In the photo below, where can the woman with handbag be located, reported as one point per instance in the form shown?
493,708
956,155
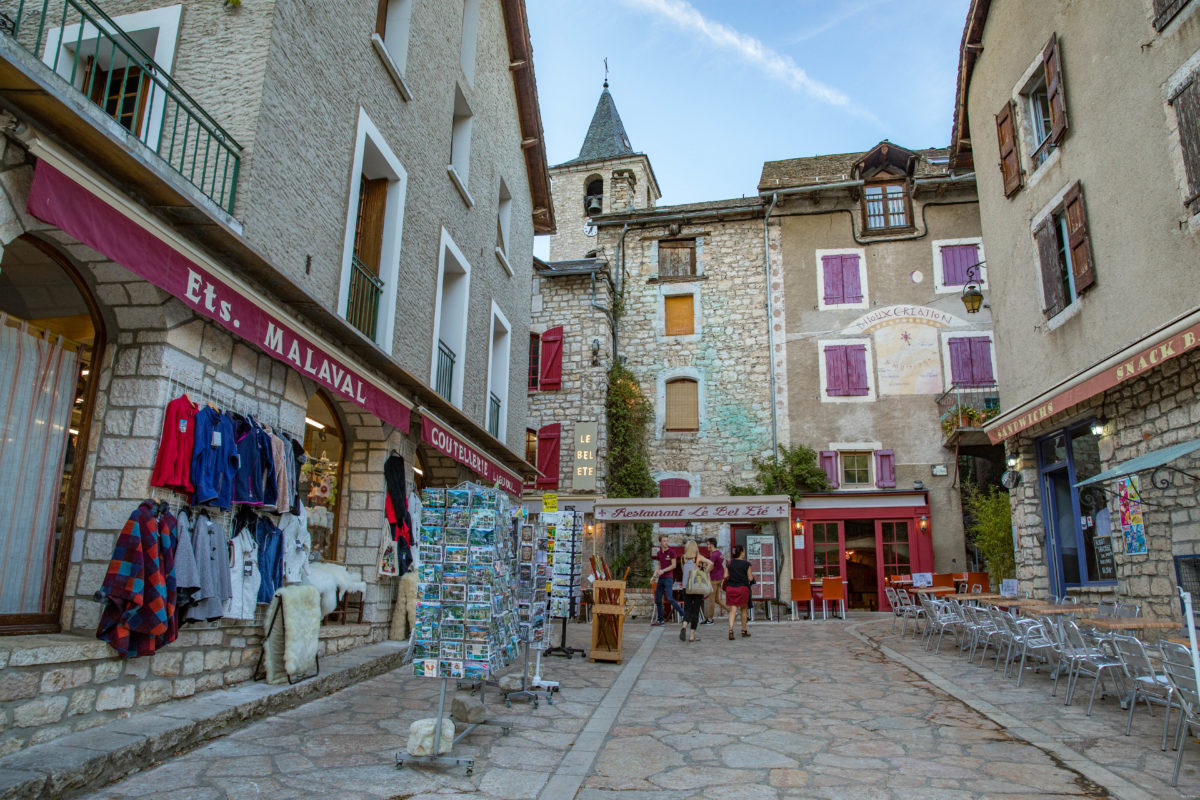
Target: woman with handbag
737,588
696,586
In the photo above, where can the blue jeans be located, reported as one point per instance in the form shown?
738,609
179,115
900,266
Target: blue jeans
666,587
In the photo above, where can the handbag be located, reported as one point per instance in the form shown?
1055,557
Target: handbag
389,558
698,582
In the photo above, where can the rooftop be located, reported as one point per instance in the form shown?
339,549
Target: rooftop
606,137
838,167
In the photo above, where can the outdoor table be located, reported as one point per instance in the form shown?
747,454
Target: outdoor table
938,590
1129,623
1065,608
984,597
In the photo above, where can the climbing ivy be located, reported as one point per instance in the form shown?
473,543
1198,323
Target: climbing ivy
793,472
629,416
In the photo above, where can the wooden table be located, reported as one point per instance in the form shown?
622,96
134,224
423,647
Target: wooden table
1065,608
1016,602
1130,623
985,597
938,590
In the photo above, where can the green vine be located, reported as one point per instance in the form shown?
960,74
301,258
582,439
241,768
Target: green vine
793,472
629,414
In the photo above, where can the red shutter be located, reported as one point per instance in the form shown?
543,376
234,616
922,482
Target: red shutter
548,441
1010,161
829,463
1079,241
885,469
550,378
673,487
1052,64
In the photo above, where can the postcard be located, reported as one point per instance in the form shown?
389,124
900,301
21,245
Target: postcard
425,668
452,649
475,670
458,498
451,669
454,555
452,612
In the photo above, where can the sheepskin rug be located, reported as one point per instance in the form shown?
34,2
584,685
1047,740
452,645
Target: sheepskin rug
290,649
332,581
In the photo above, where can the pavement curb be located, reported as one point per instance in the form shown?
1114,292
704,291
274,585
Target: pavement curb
92,759
1097,773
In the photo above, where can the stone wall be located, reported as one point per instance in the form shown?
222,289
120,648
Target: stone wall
626,179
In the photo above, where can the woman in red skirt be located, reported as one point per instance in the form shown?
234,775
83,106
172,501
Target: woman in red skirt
737,588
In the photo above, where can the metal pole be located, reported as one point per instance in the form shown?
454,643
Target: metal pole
437,731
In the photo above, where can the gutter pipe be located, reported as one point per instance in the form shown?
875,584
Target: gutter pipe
770,326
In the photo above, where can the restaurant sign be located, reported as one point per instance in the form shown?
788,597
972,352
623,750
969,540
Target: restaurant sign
583,476
630,510
1127,368
444,441
56,199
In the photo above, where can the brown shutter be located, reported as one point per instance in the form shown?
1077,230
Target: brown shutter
1165,11
381,18
1052,64
1078,239
1047,247
682,405
368,237
1187,110
679,315
1010,162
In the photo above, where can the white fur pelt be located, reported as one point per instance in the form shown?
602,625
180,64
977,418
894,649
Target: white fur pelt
332,581
290,648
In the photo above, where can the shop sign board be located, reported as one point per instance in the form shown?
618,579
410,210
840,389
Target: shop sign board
699,509
444,441
760,552
583,476
56,199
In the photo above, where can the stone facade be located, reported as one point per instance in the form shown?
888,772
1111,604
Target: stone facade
629,183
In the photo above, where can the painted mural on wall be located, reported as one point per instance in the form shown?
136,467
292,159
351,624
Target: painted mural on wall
908,357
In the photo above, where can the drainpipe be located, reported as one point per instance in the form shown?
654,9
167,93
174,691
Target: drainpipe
770,325
618,287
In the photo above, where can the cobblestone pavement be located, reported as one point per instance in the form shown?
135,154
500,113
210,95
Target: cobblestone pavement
799,710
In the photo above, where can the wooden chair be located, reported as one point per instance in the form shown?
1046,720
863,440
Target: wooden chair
802,593
832,589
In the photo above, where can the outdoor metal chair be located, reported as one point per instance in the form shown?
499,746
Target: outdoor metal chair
978,625
940,614
1038,643
1018,632
1181,671
1128,610
1147,683
1095,663
1106,608
1077,649
997,636
911,611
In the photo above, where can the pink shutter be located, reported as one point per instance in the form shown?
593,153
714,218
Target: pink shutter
548,445
960,362
851,285
981,361
673,487
955,260
831,268
836,379
856,370
551,363
829,463
885,469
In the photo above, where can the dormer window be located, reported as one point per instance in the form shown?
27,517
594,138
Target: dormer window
885,205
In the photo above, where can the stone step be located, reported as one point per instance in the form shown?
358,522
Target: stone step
90,759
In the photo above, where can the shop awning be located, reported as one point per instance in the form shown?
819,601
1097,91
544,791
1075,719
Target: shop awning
447,441
1152,460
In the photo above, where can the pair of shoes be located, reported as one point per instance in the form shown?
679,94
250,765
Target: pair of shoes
744,633
656,624
731,634
707,622
683,634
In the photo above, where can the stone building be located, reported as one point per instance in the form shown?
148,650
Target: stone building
876,359
1090,224
318,215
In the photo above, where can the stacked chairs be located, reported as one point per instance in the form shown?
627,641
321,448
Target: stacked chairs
977,626
1177,664
1147,683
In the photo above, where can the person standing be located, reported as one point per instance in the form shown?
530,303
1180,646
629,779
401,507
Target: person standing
692,560
665,575
717,575
737,588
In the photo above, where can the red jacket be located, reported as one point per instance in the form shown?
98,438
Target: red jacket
173,466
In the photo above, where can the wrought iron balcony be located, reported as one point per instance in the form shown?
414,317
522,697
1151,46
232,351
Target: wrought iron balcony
88,50
963,411
493,417
362,307
445,370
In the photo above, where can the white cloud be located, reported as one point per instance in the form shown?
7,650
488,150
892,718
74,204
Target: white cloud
776,65
834,21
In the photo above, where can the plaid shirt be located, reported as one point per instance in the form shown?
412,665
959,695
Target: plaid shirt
139,615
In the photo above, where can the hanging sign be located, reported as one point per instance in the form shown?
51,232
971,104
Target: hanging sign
442,439
583,476
549,502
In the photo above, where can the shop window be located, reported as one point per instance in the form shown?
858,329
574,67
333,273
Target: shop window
321,475
682,405
885,206
856,470
679,315
1065,253
827,550
1075,518
51,336
677,258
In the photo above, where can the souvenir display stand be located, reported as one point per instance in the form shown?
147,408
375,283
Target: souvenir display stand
564,529
608,620
466,610
532,580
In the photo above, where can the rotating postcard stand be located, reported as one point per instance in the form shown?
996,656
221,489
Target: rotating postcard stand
533,574
566,574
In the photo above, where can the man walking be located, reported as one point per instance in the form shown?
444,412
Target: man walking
665,575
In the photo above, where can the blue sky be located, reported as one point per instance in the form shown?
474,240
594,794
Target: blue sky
710,89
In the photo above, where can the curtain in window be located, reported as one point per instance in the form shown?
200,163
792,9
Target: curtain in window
37,393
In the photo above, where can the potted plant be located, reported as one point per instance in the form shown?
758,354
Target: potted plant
960,416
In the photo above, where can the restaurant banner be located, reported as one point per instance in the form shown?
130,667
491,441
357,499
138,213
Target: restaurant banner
445,441
56,199
700,510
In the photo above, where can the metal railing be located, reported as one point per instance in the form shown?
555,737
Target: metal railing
445,370
967,407
362,307
83,45
493,417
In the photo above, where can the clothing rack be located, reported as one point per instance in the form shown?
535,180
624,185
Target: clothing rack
204,389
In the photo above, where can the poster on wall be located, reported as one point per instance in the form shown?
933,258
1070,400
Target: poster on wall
1129,504
760,552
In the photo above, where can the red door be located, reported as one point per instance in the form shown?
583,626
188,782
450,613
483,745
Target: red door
827,544
893,545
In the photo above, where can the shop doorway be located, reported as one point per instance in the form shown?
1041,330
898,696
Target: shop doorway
862,565
321,476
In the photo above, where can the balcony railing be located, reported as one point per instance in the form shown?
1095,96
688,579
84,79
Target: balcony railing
445,370
493,418
967,407
87,49
362,307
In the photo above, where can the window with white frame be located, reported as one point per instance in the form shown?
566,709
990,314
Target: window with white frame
497,404
845,370
952,263
393,26
1064,251
460,146
858,465
841,279
503,223
374,224
450,321
856,469
470,35
969,358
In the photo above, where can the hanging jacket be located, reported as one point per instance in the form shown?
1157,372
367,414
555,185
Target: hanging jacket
168,545
281,457
270,558
214,458
270,490
187,573
297,544
396,502
244,577
138,606
296,465
173,464
248,482
212,559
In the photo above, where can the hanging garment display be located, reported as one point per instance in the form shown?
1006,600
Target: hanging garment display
244,576
297,544
281,450
139,589
254,462
173,465
396,502
270,489
214,458
270,558
212,561
296,467
187,574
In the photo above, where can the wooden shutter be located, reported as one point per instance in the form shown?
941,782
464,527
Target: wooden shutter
381,18
673,487
981,361
1052,65
1010,161
368,235
548,441
1187,110
885,469
1165,11
856,369
960,361
836,380
851,285
831,274
955,261
829,463
676,259
682,406
1047,246
679,315
1078,239
550,366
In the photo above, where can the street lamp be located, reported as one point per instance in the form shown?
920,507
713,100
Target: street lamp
972,295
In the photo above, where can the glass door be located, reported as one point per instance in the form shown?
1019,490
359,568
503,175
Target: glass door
893,538
828,549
